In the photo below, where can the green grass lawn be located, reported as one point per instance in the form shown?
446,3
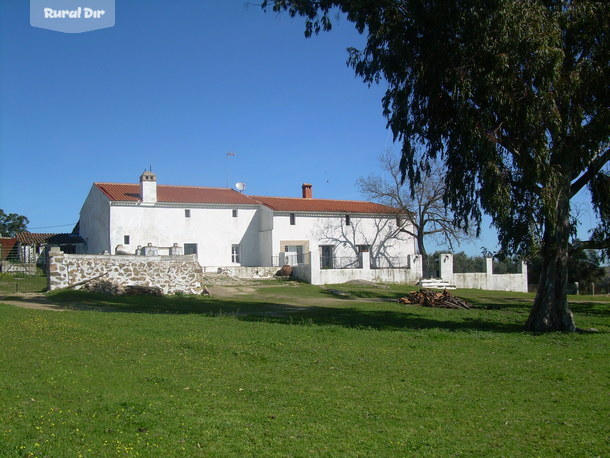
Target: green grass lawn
301,370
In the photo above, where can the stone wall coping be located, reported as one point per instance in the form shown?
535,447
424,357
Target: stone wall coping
128,257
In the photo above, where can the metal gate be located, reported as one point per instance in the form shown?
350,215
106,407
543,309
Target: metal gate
22,269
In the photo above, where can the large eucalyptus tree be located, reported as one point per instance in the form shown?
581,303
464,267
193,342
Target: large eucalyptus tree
513,97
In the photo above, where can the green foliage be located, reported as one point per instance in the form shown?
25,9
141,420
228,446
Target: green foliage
463,263
511,96
348,376
12,223
584,267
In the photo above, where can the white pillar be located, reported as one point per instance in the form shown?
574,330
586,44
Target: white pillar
415,262
446,260
282,259
366,260
314,265
489,270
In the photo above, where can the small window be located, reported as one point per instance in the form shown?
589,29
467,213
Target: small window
292,219
187,213
190,248
235,253
399,221
125,240
235,213
363,248
347,220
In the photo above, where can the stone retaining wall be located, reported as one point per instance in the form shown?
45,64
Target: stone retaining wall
172,274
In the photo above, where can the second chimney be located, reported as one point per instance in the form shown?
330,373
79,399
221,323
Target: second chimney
307,192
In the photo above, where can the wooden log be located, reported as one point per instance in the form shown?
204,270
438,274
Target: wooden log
74,285
428,298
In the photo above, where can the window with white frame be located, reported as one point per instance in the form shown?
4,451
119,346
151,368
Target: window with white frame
235,253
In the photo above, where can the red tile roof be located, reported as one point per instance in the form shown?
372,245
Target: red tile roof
293,204
30,238
194,194
36,238
176,194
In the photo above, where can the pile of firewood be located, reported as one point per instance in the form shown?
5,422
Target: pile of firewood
437,299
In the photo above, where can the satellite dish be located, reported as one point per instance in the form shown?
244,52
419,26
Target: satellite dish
240,186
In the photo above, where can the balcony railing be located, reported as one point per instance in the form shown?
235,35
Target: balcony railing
292,259
343,262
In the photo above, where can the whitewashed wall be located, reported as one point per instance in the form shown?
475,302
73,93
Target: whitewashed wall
213,229
261,233
311,273
321,229
94,226
483,280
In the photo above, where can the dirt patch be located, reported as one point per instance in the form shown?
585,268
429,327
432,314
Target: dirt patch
230,291
35,301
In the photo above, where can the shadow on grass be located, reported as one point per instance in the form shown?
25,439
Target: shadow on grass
600,309
362,294
404,318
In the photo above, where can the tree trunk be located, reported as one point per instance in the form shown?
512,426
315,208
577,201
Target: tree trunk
550,311
424,256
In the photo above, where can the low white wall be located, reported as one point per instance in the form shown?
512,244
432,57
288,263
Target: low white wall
476,280
311,273
483,280
333,276
303,273
242,272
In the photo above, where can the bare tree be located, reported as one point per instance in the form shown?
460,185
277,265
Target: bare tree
424,211
379,235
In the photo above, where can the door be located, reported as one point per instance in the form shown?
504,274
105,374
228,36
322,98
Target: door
326,256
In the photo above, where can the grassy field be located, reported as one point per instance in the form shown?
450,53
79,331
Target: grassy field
294,370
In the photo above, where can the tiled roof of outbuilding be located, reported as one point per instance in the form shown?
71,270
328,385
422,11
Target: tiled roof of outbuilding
33,238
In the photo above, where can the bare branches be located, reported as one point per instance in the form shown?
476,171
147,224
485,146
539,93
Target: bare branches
423,208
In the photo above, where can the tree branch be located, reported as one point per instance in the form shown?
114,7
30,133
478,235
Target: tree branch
594,166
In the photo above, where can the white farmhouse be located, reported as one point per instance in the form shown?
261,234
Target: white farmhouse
224,227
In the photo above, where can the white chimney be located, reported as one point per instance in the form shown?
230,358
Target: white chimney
148,187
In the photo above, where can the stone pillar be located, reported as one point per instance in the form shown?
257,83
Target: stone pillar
446,260
524,273
282,259
56,257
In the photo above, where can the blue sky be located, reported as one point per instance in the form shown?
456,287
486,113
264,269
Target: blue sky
176,85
